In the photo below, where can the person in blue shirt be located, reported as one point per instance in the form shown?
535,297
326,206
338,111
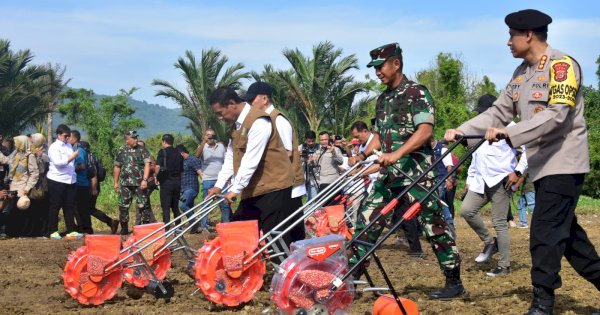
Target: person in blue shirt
192,169
83,196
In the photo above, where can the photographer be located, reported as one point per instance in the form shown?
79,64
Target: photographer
326,161
307,150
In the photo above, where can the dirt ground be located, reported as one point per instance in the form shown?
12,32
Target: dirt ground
30,282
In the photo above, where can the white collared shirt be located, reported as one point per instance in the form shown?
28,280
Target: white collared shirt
60,169
258,139
490,165
286,133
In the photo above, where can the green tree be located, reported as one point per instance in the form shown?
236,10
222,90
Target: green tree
202,78
153,144
446,81
320,86
105,120
592,117
21,90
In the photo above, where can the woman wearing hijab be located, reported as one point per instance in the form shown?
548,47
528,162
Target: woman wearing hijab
36,217
24,174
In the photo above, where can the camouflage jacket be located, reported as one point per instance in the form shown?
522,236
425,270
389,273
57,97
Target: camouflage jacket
398,113
131,161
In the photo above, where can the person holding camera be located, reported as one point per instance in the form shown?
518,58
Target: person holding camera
307,150
212,156
326,161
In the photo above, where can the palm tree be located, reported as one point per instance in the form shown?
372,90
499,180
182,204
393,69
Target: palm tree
20,90
53,84
320,86
202,78
283,98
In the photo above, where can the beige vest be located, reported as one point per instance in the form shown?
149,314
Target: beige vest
274,171
296,164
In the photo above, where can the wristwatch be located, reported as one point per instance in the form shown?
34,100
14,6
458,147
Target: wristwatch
144,179
519,174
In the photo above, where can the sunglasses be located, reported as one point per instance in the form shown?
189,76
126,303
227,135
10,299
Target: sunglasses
66,135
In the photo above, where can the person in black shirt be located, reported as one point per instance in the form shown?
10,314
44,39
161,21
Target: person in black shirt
169,166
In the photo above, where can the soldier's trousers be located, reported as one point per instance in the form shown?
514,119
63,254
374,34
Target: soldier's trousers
142,201
431,219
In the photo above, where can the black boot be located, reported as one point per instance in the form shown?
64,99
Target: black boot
124,228
114,226
453,288
543,301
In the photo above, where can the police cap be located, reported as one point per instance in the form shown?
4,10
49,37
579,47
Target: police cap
258,88
528,19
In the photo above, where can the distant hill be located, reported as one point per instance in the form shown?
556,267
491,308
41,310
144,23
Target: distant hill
157,118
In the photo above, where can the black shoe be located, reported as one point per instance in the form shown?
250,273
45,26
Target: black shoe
114,226
453,288
543,302
499,271
488,251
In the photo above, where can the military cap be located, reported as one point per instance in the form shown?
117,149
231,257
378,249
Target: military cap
131,133
484,102
258,88
528,20
380,54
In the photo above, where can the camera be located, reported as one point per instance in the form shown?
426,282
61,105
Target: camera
307,150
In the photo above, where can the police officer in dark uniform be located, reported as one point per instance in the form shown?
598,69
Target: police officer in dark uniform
545,91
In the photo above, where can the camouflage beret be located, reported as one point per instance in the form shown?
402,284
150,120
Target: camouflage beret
380,54
528,20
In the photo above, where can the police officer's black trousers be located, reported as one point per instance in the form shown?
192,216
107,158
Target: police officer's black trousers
555,233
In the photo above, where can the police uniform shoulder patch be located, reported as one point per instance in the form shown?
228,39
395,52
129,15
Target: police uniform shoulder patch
563,84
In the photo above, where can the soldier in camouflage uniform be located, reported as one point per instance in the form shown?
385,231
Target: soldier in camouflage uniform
404,120
131,171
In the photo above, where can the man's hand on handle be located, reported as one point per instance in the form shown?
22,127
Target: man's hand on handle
452,134
230,197
213,191
495,134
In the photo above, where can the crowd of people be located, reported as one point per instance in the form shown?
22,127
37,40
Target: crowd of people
37,181
536,144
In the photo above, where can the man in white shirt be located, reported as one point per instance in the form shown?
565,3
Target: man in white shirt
257,160
61,184
259,95
490,178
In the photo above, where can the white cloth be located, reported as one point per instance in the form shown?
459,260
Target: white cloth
447,160
286,133
258,139
372,157
491,164
60,169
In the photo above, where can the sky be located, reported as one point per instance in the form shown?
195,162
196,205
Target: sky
111,45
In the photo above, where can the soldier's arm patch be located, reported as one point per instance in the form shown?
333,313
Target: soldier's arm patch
563,83
423,117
